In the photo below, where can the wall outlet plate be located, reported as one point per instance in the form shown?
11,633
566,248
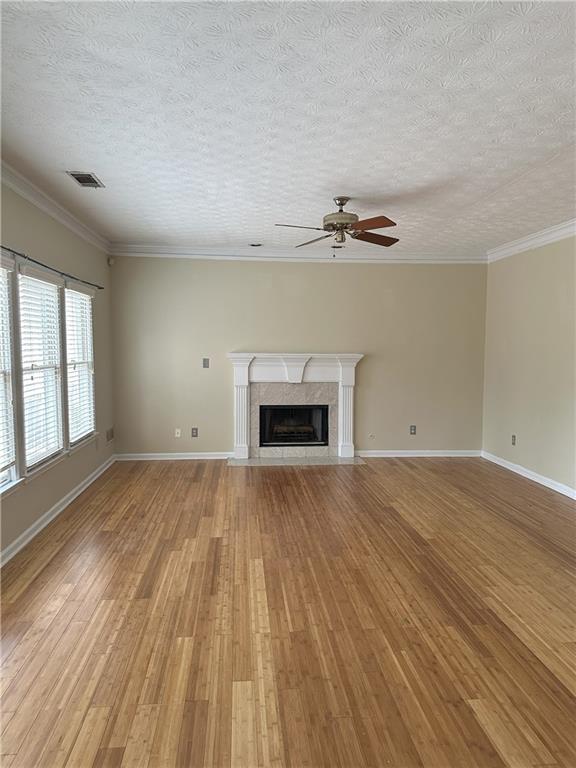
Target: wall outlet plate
177,432
194,432
205,362
412,429
513,439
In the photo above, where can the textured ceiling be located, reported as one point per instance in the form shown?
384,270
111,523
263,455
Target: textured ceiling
209,122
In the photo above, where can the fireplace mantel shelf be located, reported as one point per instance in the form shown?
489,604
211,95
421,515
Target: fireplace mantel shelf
294,368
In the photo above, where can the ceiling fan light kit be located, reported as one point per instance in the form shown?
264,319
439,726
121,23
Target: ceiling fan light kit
342,223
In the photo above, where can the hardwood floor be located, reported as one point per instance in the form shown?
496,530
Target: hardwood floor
402,613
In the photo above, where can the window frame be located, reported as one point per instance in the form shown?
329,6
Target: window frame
19,266
76,288
34,274
9,264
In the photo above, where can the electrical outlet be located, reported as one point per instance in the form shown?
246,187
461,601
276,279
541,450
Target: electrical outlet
412,429
194,431
513,439
177,432
371,436
205,362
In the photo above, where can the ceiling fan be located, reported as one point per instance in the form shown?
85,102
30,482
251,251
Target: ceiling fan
341,223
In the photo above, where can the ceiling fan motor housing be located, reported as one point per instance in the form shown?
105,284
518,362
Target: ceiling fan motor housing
339,220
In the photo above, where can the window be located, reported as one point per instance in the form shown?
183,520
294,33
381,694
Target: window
41,369
7,442
80,364
46,366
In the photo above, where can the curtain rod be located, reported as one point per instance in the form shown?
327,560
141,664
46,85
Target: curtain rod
46,266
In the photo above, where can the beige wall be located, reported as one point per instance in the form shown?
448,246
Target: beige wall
27,229
530,384
420,327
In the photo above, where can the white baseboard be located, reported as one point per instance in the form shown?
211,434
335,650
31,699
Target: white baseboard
413,454
173,456
566,490
9,551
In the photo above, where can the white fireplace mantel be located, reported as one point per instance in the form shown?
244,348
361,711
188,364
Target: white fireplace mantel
293,368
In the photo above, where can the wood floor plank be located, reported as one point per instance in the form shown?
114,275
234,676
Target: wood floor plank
244,751
86,746
407,613
193,734
141,736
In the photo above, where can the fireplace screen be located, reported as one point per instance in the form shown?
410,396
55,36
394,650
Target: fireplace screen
293,425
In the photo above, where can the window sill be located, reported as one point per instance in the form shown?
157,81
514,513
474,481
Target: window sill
11,487
15,484
91,438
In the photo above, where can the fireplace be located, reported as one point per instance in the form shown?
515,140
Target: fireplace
293,425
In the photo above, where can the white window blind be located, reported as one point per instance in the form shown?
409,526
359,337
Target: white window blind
41,371
80,364
7,443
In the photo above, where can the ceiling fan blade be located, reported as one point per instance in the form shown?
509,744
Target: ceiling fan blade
295,226
316,239
370,237
378,222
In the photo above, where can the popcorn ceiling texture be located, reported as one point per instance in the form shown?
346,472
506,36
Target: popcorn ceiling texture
210,122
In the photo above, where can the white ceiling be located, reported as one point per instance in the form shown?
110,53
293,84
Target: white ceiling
210,122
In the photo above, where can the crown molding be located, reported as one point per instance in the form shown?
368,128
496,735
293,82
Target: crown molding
278,255
536,240
29,191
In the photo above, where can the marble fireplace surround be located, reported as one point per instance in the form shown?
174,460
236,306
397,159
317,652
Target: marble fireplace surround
283,393
294,370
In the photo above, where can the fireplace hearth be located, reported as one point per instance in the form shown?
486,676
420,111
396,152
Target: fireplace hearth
293,425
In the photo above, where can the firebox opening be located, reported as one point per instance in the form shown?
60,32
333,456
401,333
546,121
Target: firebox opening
293,425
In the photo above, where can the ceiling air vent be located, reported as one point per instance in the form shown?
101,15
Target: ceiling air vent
85,179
